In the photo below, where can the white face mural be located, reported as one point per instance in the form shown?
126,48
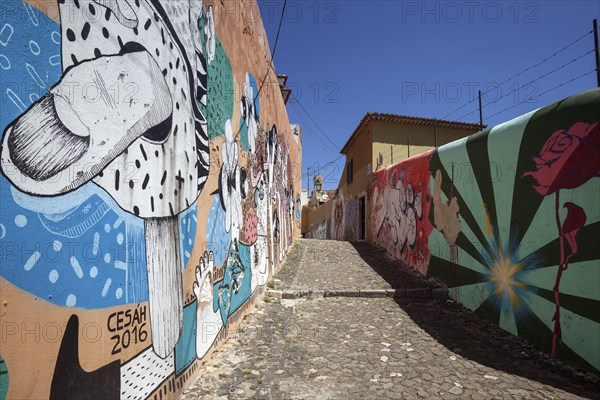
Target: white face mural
259,248
233,184
248,111
272,151
125,115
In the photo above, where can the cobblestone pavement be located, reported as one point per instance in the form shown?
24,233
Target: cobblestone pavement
378,348
330,264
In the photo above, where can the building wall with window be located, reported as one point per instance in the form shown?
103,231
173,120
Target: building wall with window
393,142
338,217
378,141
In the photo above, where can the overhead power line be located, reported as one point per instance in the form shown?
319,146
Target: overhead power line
297,101
270,62
307,128
530,82
274,49
544,92
523,71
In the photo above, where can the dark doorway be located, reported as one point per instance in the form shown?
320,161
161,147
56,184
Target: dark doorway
361,218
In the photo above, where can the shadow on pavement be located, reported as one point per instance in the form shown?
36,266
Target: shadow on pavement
472,337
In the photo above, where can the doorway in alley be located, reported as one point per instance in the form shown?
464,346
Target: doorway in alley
361,218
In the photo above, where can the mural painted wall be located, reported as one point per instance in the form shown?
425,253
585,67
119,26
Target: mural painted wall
509,219
147,191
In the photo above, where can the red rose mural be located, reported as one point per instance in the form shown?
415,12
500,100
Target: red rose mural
568,159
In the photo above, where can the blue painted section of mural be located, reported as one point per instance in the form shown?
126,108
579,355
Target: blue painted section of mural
216,237
81,250
235,288
185,350
187,232
29,60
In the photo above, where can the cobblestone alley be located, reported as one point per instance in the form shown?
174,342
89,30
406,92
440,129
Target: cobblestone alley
312,337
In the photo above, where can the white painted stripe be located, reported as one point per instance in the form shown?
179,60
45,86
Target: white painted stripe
16,100
76,267
106,287
96,245
32,260
117,223
121,265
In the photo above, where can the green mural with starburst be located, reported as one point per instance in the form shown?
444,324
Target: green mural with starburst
523,249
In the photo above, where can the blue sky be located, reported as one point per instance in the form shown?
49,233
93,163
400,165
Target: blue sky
345,58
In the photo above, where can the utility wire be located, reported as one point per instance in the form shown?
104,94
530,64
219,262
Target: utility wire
544,92
530,82
274,49
523,71
297,101
309,130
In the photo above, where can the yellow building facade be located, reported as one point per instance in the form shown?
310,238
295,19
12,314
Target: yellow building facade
378,141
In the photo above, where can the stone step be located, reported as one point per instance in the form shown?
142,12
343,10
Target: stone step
428,293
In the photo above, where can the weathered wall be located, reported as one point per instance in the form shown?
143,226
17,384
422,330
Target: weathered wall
509,219
318,221
392,140
341,213
147,191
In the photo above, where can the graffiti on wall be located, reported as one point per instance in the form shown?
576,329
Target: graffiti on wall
321,231
401,202
514,216
337,216
105,164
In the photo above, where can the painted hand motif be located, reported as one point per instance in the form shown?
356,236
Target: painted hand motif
208,322
61,142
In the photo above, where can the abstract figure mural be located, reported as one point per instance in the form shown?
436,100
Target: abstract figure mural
108,200
233,186
150,129
250,114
